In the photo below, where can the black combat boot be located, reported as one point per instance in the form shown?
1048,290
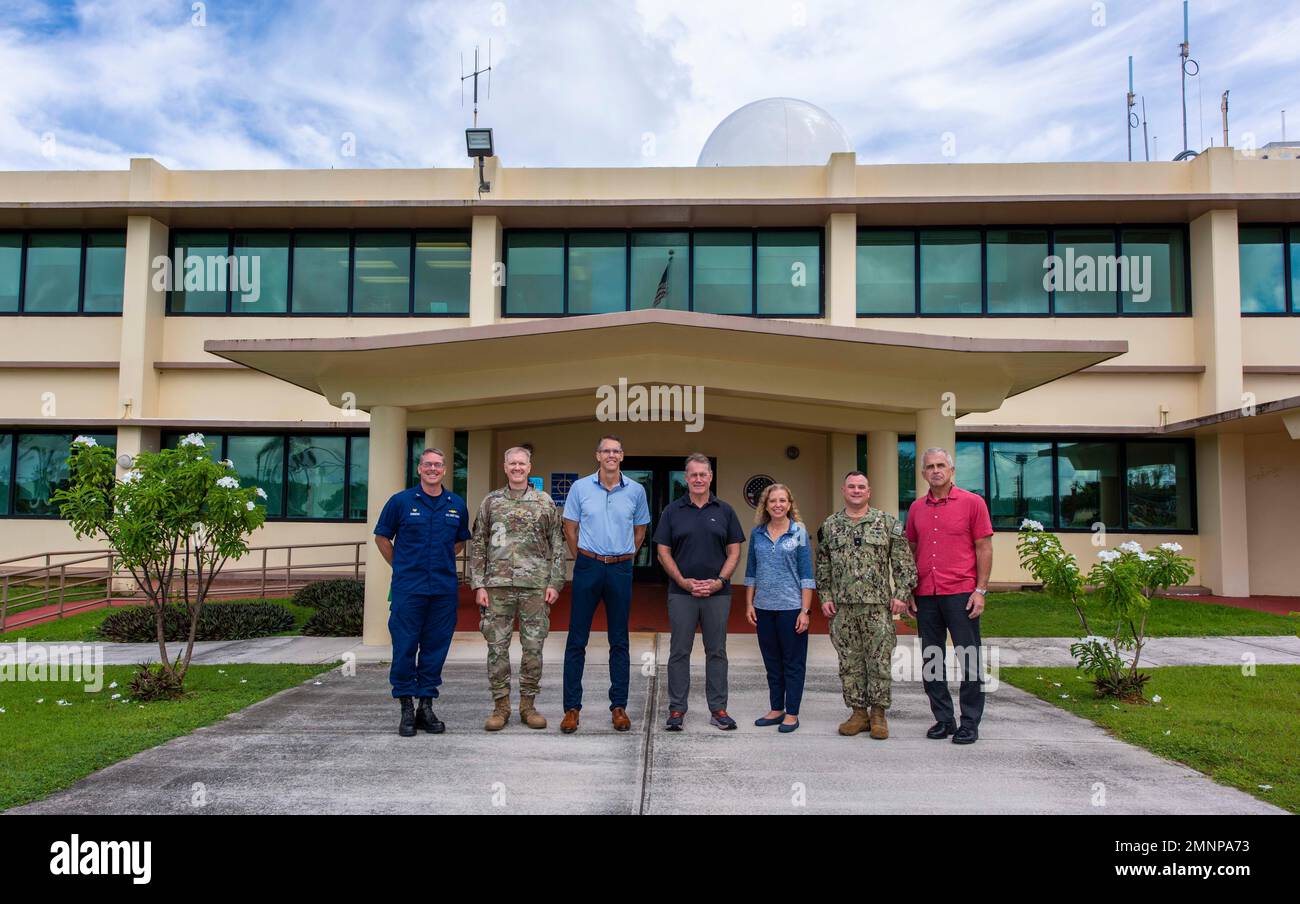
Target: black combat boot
426,719
406,728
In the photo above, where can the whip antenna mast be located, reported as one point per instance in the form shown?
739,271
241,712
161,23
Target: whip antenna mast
474,75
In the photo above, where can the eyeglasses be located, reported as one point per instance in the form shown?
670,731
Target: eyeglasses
610,452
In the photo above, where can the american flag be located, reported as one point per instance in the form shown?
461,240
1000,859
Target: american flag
662,292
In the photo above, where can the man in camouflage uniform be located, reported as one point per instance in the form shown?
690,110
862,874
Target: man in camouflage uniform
516,568
860,551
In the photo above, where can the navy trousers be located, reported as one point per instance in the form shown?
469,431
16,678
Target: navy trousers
936,617
593,582
785,656
421,626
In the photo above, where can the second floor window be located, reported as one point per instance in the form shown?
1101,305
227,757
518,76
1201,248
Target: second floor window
49,272
395,273
747,272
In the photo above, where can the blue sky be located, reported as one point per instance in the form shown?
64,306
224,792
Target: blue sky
231,85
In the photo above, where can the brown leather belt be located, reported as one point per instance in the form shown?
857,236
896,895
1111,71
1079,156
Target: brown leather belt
608,560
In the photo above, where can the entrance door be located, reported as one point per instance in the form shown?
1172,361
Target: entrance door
664,481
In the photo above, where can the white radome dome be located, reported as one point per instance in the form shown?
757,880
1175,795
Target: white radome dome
775,131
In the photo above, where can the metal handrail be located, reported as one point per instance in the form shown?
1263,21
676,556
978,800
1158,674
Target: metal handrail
55,580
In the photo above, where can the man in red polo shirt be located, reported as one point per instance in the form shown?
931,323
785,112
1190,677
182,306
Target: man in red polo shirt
952,539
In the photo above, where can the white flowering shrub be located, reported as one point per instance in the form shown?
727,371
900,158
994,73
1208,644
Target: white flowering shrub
173,521
1123,582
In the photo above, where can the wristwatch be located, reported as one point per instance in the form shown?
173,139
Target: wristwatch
726,585
981,592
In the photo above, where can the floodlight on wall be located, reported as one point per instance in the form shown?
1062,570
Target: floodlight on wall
478,143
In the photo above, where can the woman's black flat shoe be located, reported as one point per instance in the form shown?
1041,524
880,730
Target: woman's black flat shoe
764,722
786,729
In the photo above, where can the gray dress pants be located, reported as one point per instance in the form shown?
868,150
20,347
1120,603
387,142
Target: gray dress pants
710,613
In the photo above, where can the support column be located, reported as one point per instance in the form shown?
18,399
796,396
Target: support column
934,429
1224,562
134,440
485,276
1216,310
882,469
443,438
842,269
387,475
482,468
843,459
142,319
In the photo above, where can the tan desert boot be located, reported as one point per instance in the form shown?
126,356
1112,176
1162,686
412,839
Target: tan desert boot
500,716
879,725
857,723
528,715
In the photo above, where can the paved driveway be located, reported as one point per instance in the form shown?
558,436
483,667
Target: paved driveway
333,748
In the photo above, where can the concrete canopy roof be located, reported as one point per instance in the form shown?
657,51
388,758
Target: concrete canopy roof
1266,417
812,369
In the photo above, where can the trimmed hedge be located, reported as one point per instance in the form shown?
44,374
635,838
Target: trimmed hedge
226,621
336,621
327,594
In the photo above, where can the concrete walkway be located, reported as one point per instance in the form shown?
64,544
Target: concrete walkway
471,648
330,746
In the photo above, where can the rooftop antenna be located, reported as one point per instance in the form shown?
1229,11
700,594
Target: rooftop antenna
1223,107
474,75
1130,119
1146,148
1187,66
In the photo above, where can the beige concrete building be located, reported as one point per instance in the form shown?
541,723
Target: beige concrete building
1102,344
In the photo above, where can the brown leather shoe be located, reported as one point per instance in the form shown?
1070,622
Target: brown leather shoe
618,716
570,723
879,725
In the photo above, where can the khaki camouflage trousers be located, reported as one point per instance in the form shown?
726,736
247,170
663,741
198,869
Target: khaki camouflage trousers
498,624
864,639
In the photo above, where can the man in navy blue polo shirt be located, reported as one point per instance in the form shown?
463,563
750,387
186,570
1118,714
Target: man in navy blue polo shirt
420,532
699,539
605,518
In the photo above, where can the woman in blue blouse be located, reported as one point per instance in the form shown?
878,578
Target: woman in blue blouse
779,575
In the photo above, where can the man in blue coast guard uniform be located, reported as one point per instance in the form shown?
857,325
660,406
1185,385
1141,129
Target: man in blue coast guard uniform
420,532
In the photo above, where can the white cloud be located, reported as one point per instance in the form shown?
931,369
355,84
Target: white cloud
604,83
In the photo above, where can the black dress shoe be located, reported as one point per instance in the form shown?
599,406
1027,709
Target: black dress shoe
406,727
426,719
966,735
939,730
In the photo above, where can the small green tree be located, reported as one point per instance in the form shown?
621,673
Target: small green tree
1124,582
173,521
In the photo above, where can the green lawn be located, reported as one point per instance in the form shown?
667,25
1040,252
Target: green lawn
1239,730
84,625
48,747
1027,614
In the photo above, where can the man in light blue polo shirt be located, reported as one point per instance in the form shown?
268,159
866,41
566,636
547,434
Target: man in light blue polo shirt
605,518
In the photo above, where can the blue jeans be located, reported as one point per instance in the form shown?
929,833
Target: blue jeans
592,582
421,626
785,656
